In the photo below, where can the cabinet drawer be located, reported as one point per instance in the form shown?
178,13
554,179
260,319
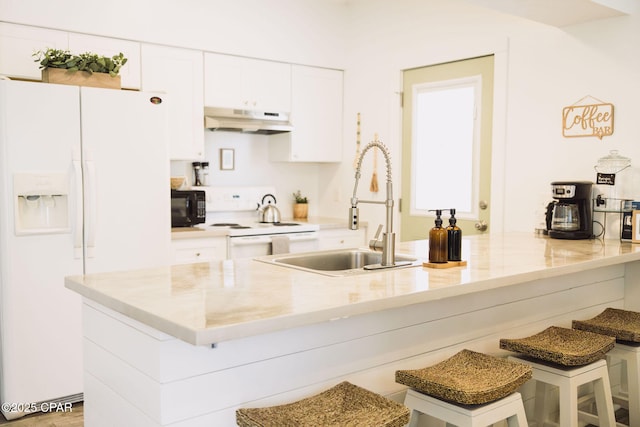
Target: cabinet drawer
199,250
342,238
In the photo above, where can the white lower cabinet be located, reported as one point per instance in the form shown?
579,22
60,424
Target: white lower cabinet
342,238
203,249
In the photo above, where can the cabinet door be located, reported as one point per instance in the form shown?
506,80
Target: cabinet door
269,84
316,114
203,249
130,72
246,83
19,42
178,72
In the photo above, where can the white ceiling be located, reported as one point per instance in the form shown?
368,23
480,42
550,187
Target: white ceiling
561,13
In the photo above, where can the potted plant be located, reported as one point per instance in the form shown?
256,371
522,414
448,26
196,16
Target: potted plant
85,69
301,206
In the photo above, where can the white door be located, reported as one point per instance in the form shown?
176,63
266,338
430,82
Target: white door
40,319
126,172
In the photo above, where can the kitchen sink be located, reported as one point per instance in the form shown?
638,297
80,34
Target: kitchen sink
340,262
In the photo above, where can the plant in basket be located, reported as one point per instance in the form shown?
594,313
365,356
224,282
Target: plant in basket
84,69
301,205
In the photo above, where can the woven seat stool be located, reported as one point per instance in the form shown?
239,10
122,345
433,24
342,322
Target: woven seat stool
345,404
469,389
567,359
624,325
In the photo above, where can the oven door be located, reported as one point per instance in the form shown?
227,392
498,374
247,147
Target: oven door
255,246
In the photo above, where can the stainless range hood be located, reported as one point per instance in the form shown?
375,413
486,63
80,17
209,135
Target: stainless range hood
253,121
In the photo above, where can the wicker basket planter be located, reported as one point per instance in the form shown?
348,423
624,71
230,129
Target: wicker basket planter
300,210
80,78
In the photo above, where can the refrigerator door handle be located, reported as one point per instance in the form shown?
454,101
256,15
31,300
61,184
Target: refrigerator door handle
77,229
92,211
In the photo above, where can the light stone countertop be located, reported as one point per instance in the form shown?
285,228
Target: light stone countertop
206,303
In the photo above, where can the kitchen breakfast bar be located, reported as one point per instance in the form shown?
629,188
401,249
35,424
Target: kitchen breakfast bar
187,345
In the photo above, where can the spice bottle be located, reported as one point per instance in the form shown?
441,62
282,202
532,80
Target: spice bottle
438,241
197,177
205,173
454,238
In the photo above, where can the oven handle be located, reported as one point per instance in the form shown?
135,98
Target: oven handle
248,240
252,240
303,237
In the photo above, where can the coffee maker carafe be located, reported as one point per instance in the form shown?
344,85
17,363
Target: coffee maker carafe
569,216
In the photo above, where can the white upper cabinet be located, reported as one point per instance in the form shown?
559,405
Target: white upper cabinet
19,42
130,72
316,115
178,72
245,83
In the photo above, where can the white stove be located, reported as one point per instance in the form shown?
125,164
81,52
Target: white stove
236,210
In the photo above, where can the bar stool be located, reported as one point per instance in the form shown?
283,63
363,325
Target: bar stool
342,405
468,389
567,358
624,325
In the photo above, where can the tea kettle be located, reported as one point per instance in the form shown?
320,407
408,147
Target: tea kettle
269,212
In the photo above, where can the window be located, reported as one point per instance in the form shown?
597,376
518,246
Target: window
445,138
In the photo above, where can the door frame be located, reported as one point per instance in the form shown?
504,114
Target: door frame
499,48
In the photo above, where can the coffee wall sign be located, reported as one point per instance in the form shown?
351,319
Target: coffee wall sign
587,117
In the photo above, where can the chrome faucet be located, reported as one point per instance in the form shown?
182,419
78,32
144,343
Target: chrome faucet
387,243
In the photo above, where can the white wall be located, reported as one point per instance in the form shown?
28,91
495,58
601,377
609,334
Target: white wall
545,70
551,69
252,167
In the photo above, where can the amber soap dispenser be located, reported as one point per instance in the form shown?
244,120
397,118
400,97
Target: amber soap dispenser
438,241
454,238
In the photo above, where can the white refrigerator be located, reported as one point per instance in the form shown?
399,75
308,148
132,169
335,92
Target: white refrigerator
84,188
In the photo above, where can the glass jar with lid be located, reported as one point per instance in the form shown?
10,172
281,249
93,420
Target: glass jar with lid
612,181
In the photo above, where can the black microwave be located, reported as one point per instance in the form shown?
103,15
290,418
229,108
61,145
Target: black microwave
188,208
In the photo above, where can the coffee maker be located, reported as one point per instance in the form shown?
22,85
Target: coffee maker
570,216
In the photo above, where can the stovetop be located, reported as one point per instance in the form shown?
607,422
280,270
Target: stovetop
236,209
263,228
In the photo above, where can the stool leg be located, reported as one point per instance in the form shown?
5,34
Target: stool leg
633,385
414,417
569,406
541,409
519,419
602,390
